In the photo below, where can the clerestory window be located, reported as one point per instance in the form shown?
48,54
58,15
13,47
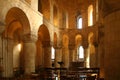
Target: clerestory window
79,22
80,53
52,53
90,15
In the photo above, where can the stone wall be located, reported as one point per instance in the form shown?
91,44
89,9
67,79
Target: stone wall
112,41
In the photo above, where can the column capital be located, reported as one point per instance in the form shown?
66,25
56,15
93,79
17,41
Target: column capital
29,38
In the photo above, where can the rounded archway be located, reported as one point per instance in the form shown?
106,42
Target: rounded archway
79,55
17,25
91,50
16,14
78,40
44,48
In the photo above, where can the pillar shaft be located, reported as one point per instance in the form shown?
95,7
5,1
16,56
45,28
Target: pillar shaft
75,55
47,56
65,57
39,56
29,54
58,56
92,54
7,61
72,53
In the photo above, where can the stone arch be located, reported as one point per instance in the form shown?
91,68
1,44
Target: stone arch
43,33
79,54
65,51
44,46
17,26
78,40
14,30
16,14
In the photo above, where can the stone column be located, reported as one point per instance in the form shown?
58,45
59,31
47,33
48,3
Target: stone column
1,49
2,28
47,54
75,55
58,56
7,61
65,57
71,53
92,55
86,54
101,53
39,55
29,49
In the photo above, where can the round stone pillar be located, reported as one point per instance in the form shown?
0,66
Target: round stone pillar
58,56
1,49
92,55
71,53
86,54
65,57
75,55
47,54
29,48
7,61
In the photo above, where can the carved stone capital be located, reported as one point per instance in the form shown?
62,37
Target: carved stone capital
29,38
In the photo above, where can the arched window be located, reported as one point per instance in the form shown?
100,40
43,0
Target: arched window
79,22
90,15
80,53
52,53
